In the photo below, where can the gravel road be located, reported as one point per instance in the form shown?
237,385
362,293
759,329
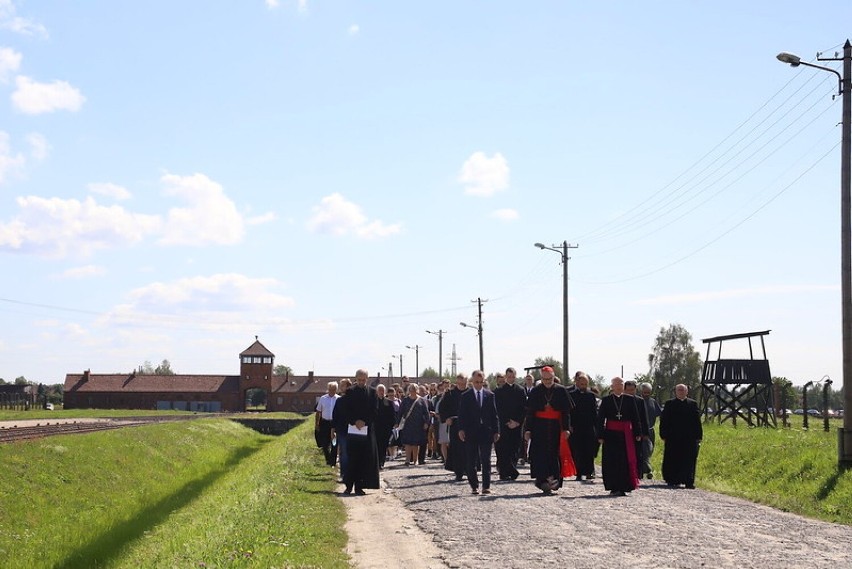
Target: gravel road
582,526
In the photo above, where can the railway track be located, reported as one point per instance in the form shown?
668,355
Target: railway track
15,433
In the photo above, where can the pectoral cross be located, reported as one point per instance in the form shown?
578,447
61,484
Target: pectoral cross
618,416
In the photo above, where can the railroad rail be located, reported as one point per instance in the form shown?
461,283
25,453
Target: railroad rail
15,433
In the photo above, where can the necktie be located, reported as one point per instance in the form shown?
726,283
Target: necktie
479,397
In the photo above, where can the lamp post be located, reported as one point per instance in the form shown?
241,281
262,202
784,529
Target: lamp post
807,386
564,252
844,446
825,387
440,334
478,333
416,349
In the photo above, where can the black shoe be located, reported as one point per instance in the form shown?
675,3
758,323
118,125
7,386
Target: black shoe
579,478
474,491
360,492
690,486
348,490
590,476
459,478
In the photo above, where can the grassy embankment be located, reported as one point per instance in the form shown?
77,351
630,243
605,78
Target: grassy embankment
790,469
207,493
6,415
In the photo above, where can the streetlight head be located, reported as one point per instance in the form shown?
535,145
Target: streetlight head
540,245
793,60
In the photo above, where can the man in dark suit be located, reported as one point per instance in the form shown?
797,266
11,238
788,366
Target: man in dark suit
479,429
511,408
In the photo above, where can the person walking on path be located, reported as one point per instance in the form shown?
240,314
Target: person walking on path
652,408
584,439
479,429
619,428
385,421
448,411
681,430
511,406
361,407
323,425
413,424
548,427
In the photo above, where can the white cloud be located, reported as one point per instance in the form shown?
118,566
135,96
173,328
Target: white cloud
110,190
10,164
272,4
483,176
10,21
261,219
337,216
211,217
10,61
219,301
84,272
505,214
57,227
303,5
39,147
354,29
709,296
35,98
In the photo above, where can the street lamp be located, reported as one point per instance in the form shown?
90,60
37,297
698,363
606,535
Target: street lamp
478,333
440,334
416,349
564,252
805,388
844,446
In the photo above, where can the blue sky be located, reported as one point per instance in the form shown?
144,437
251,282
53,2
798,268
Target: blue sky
339,177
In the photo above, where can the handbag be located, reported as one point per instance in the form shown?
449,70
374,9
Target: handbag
401,424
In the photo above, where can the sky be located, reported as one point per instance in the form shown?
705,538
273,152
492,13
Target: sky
336,178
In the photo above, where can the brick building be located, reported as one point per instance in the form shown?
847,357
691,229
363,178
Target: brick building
203,393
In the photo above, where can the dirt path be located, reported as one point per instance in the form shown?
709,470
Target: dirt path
581,526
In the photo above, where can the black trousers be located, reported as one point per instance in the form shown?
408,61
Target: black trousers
507,452
324,440
478,451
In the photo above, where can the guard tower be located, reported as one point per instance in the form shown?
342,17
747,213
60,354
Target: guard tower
737,388
256,369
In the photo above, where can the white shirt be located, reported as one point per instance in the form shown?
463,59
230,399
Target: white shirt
325,405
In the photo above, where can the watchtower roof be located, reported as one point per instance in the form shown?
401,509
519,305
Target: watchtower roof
256,349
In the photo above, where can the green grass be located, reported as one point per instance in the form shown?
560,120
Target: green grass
207,493
790,469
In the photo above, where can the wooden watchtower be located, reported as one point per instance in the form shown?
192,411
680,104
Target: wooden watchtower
737,388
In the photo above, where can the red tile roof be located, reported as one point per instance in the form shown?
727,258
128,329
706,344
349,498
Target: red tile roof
256,349
134,383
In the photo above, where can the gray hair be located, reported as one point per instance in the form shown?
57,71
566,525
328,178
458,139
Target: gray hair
646,385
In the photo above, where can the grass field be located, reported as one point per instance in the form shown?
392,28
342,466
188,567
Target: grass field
207,493
791,469
6,415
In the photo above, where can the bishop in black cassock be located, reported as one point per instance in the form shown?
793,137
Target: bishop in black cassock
618,428
680,428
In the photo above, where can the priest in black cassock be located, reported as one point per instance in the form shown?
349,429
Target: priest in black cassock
619,428
361,409
547,429
448,412
681,430
584,438
511,407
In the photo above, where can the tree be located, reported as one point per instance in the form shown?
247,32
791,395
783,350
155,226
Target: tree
281,369
165,368
552,362
429,373
673,361
2,381
21,381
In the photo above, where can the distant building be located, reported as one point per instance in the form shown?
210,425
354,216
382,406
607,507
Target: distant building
203,393
15,396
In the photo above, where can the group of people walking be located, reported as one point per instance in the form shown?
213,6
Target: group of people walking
558,430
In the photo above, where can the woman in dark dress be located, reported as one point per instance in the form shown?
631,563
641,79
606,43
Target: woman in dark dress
385,420
414,416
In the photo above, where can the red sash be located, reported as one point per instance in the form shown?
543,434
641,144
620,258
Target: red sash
566,461
627,428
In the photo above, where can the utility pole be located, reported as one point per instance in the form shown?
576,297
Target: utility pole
563,251
478,328
440,334
453,359
416,349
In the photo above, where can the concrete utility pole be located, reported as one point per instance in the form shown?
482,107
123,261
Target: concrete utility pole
478,329
416,349
563,251
844,435
440,334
